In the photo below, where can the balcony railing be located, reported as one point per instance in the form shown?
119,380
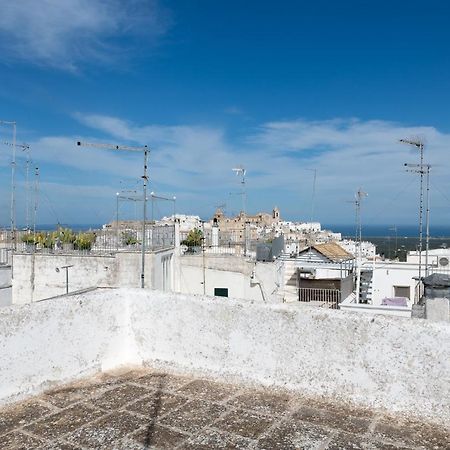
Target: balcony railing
327,298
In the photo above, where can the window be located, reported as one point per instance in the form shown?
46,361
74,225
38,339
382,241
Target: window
221,292
402,291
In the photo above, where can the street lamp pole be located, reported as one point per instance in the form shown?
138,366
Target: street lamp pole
67,275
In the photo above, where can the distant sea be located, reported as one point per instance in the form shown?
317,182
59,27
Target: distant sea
53,226
403,231
388,230
392,244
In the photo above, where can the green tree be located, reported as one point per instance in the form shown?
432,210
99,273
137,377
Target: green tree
194,238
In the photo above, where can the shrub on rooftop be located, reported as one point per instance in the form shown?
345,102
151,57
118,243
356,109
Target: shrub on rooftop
194,238
129,239
28,239
44,240
84,241
65,235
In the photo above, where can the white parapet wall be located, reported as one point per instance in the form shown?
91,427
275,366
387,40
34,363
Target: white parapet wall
47,343
400,365
38,276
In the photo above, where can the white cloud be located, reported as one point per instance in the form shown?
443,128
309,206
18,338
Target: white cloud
67,33
194,163
348,153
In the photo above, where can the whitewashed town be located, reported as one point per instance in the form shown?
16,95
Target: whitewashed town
224,225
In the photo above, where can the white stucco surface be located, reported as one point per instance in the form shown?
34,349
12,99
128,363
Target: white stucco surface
400,365
35,276
5,286
399,311
49,342
243,278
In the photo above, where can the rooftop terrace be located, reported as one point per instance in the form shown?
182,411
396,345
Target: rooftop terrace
143,409
231,375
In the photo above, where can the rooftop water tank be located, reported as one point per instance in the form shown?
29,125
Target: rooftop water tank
437,285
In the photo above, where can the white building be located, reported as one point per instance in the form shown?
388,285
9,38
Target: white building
368,249
187,223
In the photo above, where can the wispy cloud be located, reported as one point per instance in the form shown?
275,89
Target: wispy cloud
65,34
348,153
234,110
194,163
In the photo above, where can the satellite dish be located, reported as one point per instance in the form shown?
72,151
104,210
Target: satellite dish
443,261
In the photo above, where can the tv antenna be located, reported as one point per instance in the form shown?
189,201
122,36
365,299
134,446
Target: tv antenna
145,150
424,169
241,171
419,144
360,194
25,148
13,123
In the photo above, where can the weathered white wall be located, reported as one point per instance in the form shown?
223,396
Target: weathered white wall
393,363
401,365
399,311
244,279
35,276
5,286
49,342
387,275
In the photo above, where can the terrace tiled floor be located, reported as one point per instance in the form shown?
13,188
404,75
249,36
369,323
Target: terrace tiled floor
154,410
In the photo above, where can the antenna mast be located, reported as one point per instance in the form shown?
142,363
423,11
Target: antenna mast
25,148
418,143
144,149
13,182
360,194
241,171
36,198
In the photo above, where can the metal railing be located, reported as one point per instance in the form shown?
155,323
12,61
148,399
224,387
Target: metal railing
106,241
231,242
328,298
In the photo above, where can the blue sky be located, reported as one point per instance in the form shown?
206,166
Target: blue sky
280,87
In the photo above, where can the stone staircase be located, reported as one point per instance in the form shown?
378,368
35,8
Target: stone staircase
365,288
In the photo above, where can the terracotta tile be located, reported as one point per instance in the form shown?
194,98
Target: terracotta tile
19,414
67,395
116,398
263,401
107,430
65,421
210,439
193,416
20,441
292,435
208,390
245,423
408,433
158,436
333,419
157,404
163,381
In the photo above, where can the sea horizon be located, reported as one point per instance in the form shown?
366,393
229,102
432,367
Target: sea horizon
347,230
